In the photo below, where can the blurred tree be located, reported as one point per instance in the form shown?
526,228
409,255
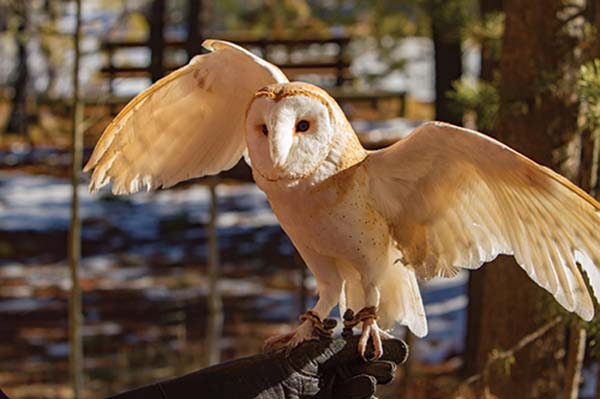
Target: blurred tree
156,39
74,243
47,45
480,100
195,27
539,116
490,12
589,95
386,21
17,120
484,101
448,20
589,89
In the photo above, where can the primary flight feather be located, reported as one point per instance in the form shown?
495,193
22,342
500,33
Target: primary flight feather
366,223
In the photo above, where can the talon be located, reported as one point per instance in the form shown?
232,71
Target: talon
311,328
370,329
276,341
364,340
376,339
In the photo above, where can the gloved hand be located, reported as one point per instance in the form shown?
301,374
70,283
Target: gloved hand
323,369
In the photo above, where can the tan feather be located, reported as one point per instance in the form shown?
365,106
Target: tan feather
431,179
188,124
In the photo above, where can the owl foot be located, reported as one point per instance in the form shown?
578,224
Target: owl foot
368,317
311,328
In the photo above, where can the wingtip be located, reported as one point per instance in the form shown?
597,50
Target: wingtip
585,305
215,44
587,316
417,326
420,331
88,167
118,189
208,44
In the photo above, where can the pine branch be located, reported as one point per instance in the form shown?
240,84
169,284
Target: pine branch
498,355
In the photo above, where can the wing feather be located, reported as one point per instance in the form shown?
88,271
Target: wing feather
188,124
455,198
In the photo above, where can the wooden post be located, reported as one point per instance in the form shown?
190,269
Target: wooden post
110,52
340,62
17,120
214,327
157,40
193,43
448,68
477,278
75,308
111,79
575,356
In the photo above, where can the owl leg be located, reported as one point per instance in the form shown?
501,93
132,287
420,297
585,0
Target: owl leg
312,327
313,321
370,329
329,287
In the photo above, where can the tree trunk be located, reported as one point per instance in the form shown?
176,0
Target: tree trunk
157,40
46,46
75,306
489,60
17,121
489,67
594,19
193,43
214,328
538,116
590,156
448,68
576,353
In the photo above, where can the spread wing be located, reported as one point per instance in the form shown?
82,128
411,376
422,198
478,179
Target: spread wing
188,124
456,198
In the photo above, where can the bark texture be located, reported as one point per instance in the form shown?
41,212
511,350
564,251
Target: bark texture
446,25
156,39
75,297
538,117
17,120
194,39
489,58
489,68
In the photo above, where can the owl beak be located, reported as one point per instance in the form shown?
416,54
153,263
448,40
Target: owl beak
280,145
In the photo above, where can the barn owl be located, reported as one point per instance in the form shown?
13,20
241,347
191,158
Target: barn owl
367,223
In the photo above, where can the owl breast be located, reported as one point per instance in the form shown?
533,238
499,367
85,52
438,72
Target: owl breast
333,218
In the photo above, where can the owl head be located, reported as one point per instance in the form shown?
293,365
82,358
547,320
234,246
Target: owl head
292,129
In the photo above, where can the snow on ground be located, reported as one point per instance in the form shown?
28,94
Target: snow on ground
41,203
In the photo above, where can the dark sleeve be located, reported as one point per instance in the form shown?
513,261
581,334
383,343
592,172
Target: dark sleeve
314,369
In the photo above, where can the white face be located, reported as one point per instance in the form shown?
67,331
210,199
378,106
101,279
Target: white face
288,139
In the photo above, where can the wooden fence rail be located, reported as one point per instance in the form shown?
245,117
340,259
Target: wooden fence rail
334,66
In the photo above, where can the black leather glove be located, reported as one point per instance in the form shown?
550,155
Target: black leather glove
324,369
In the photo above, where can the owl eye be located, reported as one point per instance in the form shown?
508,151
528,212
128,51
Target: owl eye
302,126
265,131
